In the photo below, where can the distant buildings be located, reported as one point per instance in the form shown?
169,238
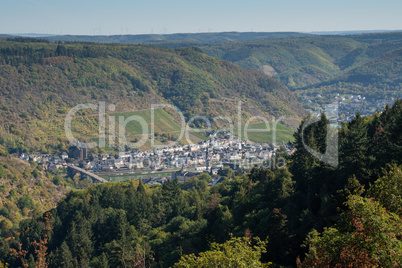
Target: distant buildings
214,156
64,156
348,105
24,157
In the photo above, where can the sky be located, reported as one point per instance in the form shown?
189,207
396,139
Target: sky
94,17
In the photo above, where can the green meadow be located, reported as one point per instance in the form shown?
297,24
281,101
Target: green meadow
164,122
283,133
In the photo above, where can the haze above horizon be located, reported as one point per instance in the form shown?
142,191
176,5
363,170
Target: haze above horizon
177,16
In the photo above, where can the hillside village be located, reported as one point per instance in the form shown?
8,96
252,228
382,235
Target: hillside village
348,105
184,162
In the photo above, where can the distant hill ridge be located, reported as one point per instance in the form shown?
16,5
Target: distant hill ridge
299,60
193,37
43,81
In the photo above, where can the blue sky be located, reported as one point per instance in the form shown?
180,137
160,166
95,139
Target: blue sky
172,16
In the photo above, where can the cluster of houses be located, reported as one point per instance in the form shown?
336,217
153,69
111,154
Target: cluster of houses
183,161
348,109
47,161
200,157
349,105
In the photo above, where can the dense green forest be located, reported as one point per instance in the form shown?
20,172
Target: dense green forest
298,60
307,213
316,63
378,77
41,81
302,62
311,62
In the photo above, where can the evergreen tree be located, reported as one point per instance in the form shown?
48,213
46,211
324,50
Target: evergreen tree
172,199
354,149
63,257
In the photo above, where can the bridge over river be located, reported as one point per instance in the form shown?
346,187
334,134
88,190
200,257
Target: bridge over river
89,174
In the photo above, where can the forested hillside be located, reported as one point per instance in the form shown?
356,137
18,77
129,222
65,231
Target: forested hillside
345,216
40,82
381,76
300,62
296,61
309,61
26,191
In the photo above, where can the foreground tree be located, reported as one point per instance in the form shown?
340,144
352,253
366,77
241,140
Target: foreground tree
237,252
388,189
367,236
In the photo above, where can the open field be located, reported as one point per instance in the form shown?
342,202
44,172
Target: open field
283,133
164,122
